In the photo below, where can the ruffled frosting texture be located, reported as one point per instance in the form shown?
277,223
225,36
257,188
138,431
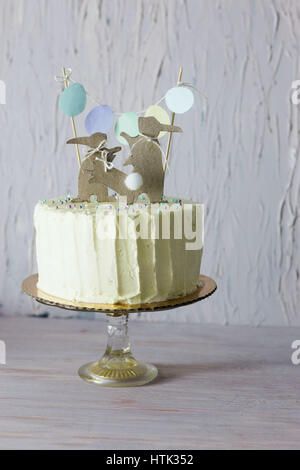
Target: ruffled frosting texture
84,256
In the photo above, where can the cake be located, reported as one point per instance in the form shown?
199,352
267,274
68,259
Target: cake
86,253
135,246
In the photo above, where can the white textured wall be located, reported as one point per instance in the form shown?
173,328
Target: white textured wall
243,164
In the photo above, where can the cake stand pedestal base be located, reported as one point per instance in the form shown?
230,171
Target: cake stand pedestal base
118,367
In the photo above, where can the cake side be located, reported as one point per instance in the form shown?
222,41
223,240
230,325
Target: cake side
104,253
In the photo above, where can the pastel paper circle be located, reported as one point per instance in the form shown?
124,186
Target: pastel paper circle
128,123
99,119
134,181
160,114
179,99
72,101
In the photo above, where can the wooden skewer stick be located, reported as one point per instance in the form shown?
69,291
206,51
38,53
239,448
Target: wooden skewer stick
172,123
72,120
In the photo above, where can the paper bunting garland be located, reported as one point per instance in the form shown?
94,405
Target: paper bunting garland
179,99
99,119
139,130
72,101
128,123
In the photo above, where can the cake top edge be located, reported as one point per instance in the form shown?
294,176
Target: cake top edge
71,204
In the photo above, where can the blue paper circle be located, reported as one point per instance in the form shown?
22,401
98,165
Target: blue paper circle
179,99
99,119
72,101
127,122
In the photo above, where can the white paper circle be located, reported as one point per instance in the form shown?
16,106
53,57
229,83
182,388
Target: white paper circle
179,99
134,181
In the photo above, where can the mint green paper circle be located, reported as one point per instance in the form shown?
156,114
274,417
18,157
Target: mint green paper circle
127,122
179,99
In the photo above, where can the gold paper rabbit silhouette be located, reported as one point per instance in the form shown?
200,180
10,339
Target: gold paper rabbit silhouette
97,172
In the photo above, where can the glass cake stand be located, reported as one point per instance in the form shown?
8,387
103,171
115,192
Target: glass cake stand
117,367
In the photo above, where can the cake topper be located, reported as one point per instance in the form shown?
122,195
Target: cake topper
97,171
87,185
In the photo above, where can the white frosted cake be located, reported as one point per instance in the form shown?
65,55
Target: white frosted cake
106,253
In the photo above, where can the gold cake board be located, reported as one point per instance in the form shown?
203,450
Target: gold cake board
118,367
207,287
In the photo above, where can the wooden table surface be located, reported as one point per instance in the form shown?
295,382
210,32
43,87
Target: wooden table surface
218,388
